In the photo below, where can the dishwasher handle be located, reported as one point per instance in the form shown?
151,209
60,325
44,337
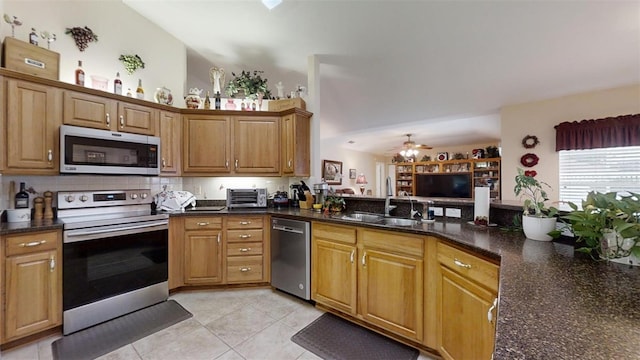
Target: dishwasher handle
287,229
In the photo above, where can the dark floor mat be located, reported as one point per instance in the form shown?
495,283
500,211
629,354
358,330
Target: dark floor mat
113,334
333,338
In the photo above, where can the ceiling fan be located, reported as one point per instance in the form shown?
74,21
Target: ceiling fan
410,148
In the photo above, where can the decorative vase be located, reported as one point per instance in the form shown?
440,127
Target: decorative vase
230,105
537,228
163,96
193,100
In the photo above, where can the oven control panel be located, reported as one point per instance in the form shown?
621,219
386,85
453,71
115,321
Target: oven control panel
85,199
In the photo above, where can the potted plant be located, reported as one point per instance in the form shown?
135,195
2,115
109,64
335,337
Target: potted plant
335,203
608,225
538,220
249,82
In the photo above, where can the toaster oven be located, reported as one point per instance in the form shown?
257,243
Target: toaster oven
246,198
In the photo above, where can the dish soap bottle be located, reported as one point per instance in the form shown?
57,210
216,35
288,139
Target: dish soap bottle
140,90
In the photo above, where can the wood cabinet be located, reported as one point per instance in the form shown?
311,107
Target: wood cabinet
295,144
32,283
239,145
203,250
170,138
334,267
245,250
486,172
104,113
32,119
391,281
176,252
374,275
404,179
466,290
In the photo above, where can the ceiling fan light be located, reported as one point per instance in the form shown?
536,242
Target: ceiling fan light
403,153
270,4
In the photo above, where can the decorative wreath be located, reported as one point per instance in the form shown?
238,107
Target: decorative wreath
529,160
530,141
531,173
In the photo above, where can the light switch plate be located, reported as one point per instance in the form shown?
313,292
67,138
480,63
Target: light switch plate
437,211
456,213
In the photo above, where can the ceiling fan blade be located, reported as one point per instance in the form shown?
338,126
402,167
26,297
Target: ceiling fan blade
421,146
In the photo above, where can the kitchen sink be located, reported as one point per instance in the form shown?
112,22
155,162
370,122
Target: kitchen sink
399,222
370,218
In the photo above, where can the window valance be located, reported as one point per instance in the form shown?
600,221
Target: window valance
616,131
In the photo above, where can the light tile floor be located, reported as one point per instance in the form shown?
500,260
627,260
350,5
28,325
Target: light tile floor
226,325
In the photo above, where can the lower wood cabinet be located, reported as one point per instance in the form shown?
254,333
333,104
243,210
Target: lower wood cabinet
33,283
245,249
203,250
467,290
374,275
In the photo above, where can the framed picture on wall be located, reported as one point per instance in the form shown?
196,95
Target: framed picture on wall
332,172
352,173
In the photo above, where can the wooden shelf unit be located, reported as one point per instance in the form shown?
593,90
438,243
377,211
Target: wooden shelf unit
485,172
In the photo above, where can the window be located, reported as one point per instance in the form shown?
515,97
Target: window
603,170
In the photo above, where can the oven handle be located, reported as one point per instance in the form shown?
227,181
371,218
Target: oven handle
126,230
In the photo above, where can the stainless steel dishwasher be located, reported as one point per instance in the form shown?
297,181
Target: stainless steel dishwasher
291,256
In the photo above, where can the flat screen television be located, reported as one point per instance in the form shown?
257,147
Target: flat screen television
443,185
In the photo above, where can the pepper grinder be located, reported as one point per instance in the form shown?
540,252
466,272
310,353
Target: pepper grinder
48,210
39,208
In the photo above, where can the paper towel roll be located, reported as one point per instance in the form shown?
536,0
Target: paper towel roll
481,203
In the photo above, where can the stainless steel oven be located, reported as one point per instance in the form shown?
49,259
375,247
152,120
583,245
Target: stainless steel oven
115,255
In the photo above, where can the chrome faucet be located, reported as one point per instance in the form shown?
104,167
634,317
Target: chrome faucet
387,200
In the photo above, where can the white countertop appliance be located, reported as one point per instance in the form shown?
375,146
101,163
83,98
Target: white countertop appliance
247,198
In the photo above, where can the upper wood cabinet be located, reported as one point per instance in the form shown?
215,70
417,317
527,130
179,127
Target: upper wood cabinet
33,116
170,137
295,144
241,145
103,113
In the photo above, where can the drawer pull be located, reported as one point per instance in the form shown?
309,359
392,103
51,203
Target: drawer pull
245,269
52,264
353,252
108,120
33,243
245,249
461,264
364,259
203,223
164,163
490,312
245,222
50,155
218,238
236,163
245,236
121,122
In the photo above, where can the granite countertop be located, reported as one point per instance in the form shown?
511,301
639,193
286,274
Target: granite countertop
553,303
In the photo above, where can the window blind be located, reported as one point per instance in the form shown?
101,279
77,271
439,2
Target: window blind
603,170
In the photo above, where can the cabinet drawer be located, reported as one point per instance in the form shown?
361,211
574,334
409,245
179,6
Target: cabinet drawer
244,235
245,222
345,234
31,243
394,242
469,266
244,268
244,249
198,223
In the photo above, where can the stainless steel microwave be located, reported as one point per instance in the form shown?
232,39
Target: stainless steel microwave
246,198
93,151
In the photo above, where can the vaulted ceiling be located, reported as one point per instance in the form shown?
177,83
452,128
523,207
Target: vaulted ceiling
440,70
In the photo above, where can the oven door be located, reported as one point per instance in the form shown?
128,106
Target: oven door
106,261
92,151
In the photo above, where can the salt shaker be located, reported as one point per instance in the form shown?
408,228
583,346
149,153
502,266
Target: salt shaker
38,205
48,210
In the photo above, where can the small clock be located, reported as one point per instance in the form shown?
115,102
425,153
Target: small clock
443,156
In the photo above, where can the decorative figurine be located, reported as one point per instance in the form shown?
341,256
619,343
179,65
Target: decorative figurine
13,22
193,99
48,37
216,76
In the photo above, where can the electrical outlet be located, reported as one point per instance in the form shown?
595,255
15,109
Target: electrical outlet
456,213
437,211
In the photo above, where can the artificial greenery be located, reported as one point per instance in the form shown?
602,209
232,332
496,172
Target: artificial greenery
535,196
335,203
131,63
605,212
249,82
492,152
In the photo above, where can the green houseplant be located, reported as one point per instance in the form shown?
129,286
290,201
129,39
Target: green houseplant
335,203
538,220
607,224
250,83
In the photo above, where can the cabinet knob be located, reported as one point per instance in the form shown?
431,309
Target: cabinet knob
245,222
108,120
203,223
245,236
121,122
226,164
245,269
245,249
50,155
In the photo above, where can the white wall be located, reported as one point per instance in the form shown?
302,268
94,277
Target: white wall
539,118
120,30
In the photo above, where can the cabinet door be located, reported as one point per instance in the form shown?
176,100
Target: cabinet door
34,293
203,257
33,119
464,332
206,144
137,119
391,292
288,143
176,252
170,134
89,111
256,145
333,272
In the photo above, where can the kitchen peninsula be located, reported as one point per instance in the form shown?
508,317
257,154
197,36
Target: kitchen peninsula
553,303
